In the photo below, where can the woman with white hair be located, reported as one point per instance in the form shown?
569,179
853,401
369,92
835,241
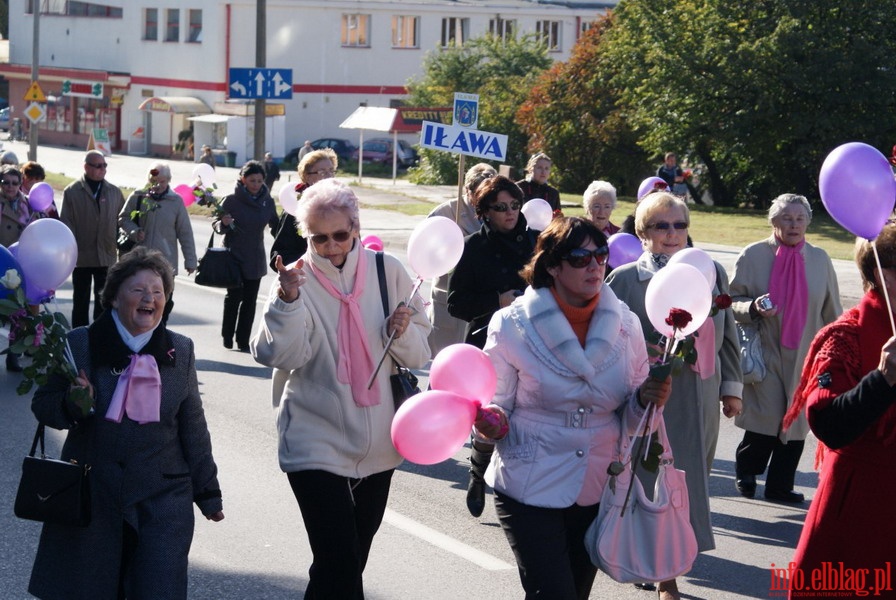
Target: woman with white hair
323,328
156,217
599,201
772,290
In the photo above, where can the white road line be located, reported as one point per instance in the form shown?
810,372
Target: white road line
440,540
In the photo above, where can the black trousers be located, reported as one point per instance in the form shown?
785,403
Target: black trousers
548,544
81,280
341,517
239,312
758,451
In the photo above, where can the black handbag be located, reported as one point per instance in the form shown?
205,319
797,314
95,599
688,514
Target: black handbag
124,242
404,383
218,267
53,491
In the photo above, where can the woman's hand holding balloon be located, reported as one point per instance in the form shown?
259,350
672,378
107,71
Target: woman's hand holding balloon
491,422
291,278
655,391
400,319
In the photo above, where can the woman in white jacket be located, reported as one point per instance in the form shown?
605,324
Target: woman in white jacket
323,329
572,377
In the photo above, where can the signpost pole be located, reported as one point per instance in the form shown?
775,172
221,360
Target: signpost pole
35,63
260,62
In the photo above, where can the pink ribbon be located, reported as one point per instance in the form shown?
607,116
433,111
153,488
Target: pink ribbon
139,392
705,345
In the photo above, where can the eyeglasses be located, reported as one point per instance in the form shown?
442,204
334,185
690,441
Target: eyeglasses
501,207
666,226
11,183
329,173
579,258
98,165
339,237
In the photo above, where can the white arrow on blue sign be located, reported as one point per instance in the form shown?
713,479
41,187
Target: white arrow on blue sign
272,84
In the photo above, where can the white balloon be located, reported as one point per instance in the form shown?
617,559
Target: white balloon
47,253
677,286
206,173
538,213
435,247
699,259
288,199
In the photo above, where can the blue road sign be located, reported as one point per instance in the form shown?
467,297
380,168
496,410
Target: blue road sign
272,84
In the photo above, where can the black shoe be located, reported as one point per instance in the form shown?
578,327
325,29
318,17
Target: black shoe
12,363
788,496
228,343
476,495
746,485
647,587
245,349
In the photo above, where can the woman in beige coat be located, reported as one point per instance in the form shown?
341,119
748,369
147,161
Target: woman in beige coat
787,288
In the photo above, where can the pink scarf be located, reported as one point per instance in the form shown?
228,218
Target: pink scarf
355,363
705,345
789,291
139,392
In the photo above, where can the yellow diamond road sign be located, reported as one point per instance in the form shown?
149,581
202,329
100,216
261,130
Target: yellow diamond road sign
35,94
35,112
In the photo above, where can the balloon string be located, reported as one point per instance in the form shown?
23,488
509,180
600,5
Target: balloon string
883,282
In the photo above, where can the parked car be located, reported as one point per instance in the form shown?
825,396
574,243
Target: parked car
379,150
4,119
343,149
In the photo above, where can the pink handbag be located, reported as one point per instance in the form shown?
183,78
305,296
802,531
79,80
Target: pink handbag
652,540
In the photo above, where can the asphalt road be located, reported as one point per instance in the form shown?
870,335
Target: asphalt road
428,547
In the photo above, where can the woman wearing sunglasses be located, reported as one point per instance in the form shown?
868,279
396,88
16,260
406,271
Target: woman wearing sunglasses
487,278
692,414
247,211
322,330
572,377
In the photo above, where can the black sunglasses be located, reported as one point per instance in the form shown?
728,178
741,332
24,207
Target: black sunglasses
665,225
323,238
580,257
501,207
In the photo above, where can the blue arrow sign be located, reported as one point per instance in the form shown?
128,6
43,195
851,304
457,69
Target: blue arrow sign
271,84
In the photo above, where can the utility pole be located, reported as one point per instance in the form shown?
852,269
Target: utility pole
260,63
35,62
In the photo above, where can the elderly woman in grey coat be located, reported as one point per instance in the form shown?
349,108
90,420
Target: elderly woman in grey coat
145,439
772,289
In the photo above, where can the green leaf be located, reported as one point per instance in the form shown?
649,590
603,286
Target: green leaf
24,387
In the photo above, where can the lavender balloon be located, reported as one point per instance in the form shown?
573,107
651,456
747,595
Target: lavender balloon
857,188
40,197
651,184
624,248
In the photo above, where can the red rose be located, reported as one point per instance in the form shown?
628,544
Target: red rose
678,318
723,301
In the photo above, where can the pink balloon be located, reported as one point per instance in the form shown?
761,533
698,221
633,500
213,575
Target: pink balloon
624,248
431,426
699,259
677,286
857,188
186,194
40,198
465,370
435,247
372,242
651,184
47,253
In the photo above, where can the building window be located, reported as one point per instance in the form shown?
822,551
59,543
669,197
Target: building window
549,31
172,25
502,28
74,9
356,31
405,31
195,33
454,31
151,24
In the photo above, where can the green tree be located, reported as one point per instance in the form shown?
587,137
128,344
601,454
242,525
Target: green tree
760,92
572,115
501,71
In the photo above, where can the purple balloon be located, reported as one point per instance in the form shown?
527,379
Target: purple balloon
624,248
36,295
857,188
652,184
40,197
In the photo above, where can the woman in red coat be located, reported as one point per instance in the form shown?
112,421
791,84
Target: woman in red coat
847,390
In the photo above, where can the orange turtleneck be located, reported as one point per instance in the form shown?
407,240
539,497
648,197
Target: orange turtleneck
578,317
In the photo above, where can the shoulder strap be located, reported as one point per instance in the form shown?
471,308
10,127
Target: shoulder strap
381,274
